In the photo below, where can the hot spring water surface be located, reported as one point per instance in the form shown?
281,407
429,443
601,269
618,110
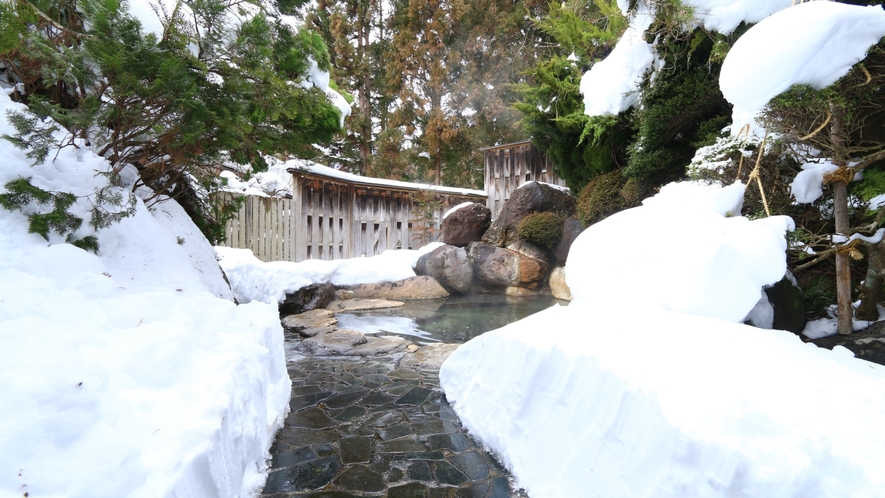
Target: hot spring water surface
455,319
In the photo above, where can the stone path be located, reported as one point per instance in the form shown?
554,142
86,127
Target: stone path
363,427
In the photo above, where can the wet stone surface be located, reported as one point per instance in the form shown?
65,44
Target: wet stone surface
363,427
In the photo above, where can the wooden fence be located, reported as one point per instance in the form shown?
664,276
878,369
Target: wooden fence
335,216
511,165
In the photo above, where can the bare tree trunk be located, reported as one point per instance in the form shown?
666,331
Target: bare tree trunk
872,286
365,126
843,260
840,205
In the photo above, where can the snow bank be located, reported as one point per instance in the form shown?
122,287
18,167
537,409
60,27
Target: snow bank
644,386
814,43
667,404
255,280
682,250
131,372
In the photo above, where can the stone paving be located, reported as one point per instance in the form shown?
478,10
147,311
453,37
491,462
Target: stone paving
364,427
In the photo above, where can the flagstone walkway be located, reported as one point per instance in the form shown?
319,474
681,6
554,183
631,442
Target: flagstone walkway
363,427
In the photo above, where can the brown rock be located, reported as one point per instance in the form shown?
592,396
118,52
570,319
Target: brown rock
362,305
465,225
312,319
501,267
422,287
558,287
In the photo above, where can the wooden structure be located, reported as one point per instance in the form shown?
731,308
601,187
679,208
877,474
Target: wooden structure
336,215
510,165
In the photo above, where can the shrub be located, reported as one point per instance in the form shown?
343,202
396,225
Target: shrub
543,229
607,194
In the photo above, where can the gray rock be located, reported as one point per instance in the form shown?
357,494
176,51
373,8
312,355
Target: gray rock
450,267
465,225
867,344
570,231
422,287
429,357
501,267
558,287
313,319
344,342
362,305
308,298
532,197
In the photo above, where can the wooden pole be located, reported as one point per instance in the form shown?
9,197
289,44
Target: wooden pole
840,205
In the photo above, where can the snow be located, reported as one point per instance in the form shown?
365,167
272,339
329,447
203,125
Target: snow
669,404
275,182
807,187
611,86
723,16
814,43
255,280
459,206
130,372
828,325
325,171
645,385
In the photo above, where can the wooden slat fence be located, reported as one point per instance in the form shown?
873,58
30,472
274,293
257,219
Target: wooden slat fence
511,165
328,218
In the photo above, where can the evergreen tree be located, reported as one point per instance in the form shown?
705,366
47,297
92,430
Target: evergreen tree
219,82
575,34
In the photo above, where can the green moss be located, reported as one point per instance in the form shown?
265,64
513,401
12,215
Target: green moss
600,198
543,229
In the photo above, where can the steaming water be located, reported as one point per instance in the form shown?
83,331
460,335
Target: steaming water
455,319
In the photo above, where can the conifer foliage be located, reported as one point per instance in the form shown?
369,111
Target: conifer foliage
213,81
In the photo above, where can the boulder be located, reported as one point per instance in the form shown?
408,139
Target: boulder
312,319
316,296
448,265
465,225
529,249
570,231
422,287
502,267
531,197
789,310
558,287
